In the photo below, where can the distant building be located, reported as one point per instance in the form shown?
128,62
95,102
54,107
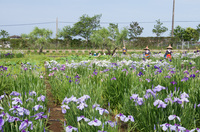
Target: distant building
15,37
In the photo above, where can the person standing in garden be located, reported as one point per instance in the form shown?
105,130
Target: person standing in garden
168,54
147,53
124,50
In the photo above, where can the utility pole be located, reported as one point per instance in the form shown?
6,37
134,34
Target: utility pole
56,27
173,18
56,32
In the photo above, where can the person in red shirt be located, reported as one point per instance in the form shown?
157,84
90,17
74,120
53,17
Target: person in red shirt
147,53
168,54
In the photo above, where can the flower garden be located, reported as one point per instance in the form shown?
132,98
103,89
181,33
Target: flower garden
98,94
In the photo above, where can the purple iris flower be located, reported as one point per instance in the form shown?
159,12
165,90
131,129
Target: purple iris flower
165,126
29,99
82,106
156,67
112,124
172,117
173,82
95,105
158,88
36,107
95,122
39,116
198,105
14,93
148,66
82,118
140,74
83,98
148,80
184,79
192,75
160,103
70,81
124,70
41,98
167,77
172,72
12,118
67,100
186,72
16,101
64,108
77,77
130,117
184,95
113,78
101,110
121,116
32,93
168,100
177,100
25,124
106,70
134,96
1,123
149,91
1,97
95,73
70,129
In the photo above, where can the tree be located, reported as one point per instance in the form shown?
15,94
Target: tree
40,36
66,33
109,38
135,30
159,29
4,35
113,30
198,29
191,34
101,38
179,33
188,34
122,36
86,25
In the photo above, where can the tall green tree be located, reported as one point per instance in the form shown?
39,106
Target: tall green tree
135,30
198,29
188,34
86,25
40,36
4,34
191,34
109,38
179,33
114,31
122,37
67,32
159,29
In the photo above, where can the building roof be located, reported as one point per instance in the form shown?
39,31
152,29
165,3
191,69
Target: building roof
15,37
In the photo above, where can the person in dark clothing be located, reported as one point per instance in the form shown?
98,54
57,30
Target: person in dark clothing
168,54
147,53
124,50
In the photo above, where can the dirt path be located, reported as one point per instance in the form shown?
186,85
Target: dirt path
56,119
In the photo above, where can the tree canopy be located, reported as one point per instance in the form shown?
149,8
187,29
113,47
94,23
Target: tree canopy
159,29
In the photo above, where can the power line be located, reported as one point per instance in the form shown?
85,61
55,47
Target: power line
28,24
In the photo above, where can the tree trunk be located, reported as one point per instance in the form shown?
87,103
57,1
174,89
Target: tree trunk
114,50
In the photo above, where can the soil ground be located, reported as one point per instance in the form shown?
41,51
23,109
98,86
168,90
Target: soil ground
56,118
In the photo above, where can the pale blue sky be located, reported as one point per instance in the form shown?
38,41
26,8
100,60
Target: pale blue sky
37,11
